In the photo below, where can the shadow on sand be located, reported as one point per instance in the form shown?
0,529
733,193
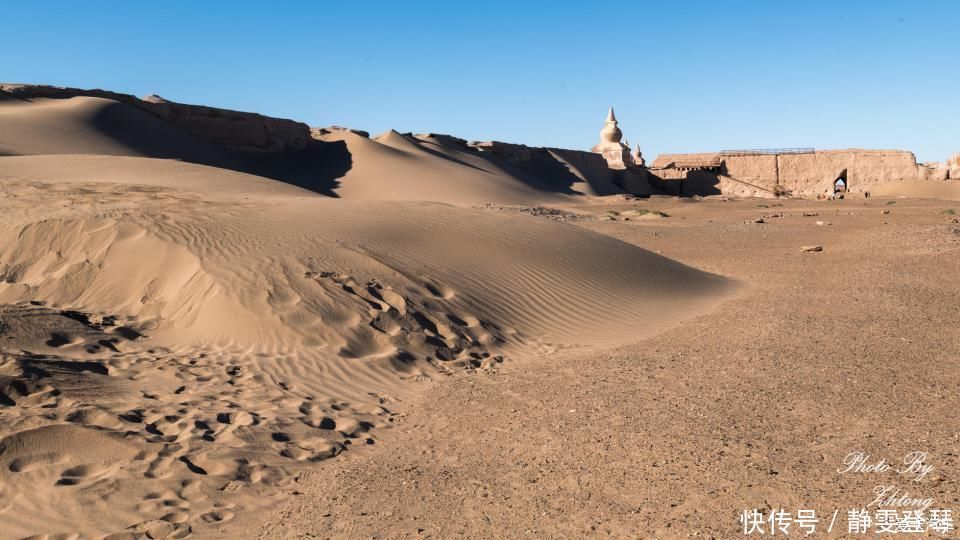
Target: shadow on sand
316,166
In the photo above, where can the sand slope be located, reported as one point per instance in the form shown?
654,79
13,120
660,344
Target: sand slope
89,125
338,163
180,342
201,219
392,166
550,171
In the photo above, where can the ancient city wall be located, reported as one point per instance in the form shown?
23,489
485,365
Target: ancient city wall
802,174
590,165
807,175
233,129
248,132
952,166
557,165
757,170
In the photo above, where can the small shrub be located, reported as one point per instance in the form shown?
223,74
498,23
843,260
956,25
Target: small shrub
644,212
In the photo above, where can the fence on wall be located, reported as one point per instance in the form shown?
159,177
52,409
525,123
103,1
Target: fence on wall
766,151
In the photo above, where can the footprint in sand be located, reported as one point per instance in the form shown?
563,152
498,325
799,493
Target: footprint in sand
59,339
158,528
203,463
162,501
85,474
218,516
192,491
463,320
439,291
302,447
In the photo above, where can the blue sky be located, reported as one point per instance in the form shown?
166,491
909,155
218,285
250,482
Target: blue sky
683,76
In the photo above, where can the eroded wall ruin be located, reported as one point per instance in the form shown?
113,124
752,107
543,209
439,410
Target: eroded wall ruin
235,130
801,174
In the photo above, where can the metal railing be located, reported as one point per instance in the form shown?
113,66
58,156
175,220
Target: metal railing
766,151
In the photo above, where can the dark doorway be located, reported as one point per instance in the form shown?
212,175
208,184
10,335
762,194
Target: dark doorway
841,185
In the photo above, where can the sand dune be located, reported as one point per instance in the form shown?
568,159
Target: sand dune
175,230
182,341
392,166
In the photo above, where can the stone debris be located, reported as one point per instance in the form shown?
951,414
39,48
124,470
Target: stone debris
543,211
817,247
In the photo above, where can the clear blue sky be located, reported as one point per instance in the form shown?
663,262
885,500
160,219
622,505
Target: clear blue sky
683,76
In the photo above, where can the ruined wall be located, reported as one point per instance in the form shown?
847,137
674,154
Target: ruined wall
233,129
595,171
738,176
669,174
756,170
243,131
703,183
807,175
801,174
934,171
604,180
514,154
584,172
635,181
952,166
587,162
735,188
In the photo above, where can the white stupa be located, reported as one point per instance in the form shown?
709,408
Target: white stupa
615,152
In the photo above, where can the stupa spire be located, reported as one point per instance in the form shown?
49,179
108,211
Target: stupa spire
616,153
610,135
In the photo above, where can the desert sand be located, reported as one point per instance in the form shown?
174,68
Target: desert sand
182,342
440,345
753,405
